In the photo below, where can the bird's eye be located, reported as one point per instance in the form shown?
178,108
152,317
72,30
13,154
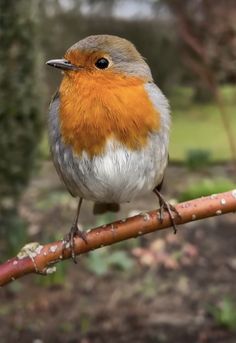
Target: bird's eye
102,63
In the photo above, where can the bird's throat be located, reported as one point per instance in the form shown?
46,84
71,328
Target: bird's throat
95,107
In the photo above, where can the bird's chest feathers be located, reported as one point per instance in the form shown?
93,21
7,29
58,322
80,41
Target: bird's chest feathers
96,108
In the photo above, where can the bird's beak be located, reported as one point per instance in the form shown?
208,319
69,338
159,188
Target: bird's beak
62,64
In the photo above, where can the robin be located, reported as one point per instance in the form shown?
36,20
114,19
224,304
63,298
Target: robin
108,125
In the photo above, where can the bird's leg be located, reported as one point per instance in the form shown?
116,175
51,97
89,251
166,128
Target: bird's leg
75,231
164,205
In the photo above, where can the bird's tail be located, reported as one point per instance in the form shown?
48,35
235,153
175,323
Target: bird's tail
100,208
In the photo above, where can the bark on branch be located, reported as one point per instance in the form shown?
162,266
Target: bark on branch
36,258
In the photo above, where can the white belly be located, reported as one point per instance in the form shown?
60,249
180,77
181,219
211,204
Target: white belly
118,175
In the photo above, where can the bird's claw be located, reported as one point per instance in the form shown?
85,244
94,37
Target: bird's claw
165,206
74,232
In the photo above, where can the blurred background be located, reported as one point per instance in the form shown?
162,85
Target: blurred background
159,288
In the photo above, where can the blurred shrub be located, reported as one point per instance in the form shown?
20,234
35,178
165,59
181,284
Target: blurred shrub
225,314
12,231
206,187
58,278
101,261
181,97
202,94
197,159
20,100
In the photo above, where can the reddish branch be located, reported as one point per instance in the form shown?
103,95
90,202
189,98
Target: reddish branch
36,258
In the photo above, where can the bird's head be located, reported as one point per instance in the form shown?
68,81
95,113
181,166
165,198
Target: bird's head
99,54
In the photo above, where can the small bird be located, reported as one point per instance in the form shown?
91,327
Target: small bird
108,125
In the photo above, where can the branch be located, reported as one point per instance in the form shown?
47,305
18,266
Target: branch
36,258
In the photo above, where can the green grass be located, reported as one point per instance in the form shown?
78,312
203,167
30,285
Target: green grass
206,187
225,314
199,126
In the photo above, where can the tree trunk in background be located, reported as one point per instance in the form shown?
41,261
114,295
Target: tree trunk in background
208,43
20,110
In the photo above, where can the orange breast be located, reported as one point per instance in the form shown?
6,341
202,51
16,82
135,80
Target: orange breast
95,106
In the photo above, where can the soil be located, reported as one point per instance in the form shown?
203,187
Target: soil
151,301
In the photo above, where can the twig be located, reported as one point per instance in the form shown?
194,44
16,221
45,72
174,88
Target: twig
36,258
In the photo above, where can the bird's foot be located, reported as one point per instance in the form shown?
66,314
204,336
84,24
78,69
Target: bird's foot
166,206
74,232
